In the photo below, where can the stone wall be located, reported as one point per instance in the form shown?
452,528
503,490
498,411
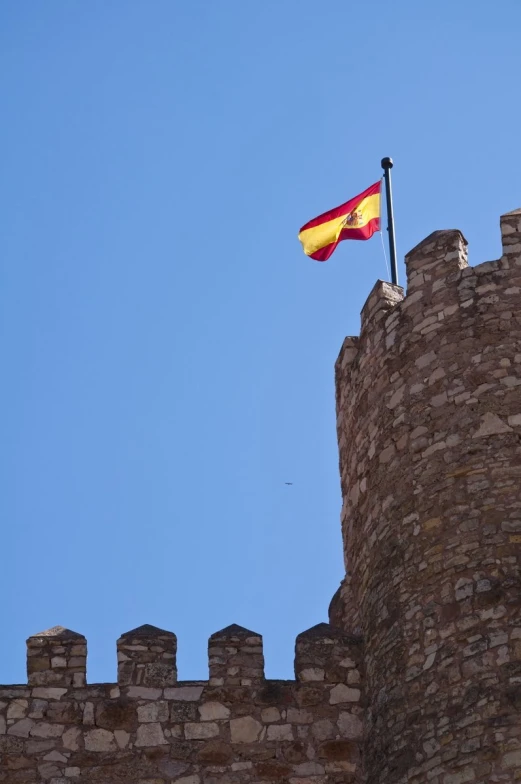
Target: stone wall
418,678
236,727
429,429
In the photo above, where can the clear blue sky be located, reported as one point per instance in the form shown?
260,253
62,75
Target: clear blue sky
167,350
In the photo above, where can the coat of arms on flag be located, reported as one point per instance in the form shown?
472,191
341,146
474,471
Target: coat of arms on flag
356,219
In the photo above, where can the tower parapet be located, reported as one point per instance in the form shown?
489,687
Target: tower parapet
429,431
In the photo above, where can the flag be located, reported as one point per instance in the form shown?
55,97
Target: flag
356,219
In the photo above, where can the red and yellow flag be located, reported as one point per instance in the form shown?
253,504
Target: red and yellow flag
356,219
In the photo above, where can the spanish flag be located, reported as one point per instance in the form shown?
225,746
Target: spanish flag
356,219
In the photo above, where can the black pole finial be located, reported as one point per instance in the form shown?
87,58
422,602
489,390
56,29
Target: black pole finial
387,165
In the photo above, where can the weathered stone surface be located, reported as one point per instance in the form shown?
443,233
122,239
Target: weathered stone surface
280,732
143,693
491,424
350,726
273,770
100,740
245,730
150,735
56,657
120,714
11,745
269,715
51,693
428,406
147,657
17,709
322,729
210,711
338,750
312,674
216,753
342,693
153,711
199,731
21,728
235,657
70,738
45,730
417,680
122,738
184,693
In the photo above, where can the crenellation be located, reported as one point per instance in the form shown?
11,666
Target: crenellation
428,419
511,238
236,726
236,657
383,297
56,657
435,263
417,677
147,657
320,655
343,610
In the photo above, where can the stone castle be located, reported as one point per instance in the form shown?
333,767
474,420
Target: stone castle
417,677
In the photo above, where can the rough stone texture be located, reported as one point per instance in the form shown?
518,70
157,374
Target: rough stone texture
429,429
236,657
146,657
418,678
56,657
235,728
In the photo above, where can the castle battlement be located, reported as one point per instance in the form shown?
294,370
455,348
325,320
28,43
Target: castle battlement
150,728
439,281
146,657
429,433
444,298
417,680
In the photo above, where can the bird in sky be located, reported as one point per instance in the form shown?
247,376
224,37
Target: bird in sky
288,483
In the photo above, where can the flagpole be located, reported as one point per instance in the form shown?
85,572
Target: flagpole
387,165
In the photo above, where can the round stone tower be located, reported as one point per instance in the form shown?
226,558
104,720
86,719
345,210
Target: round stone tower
429,429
